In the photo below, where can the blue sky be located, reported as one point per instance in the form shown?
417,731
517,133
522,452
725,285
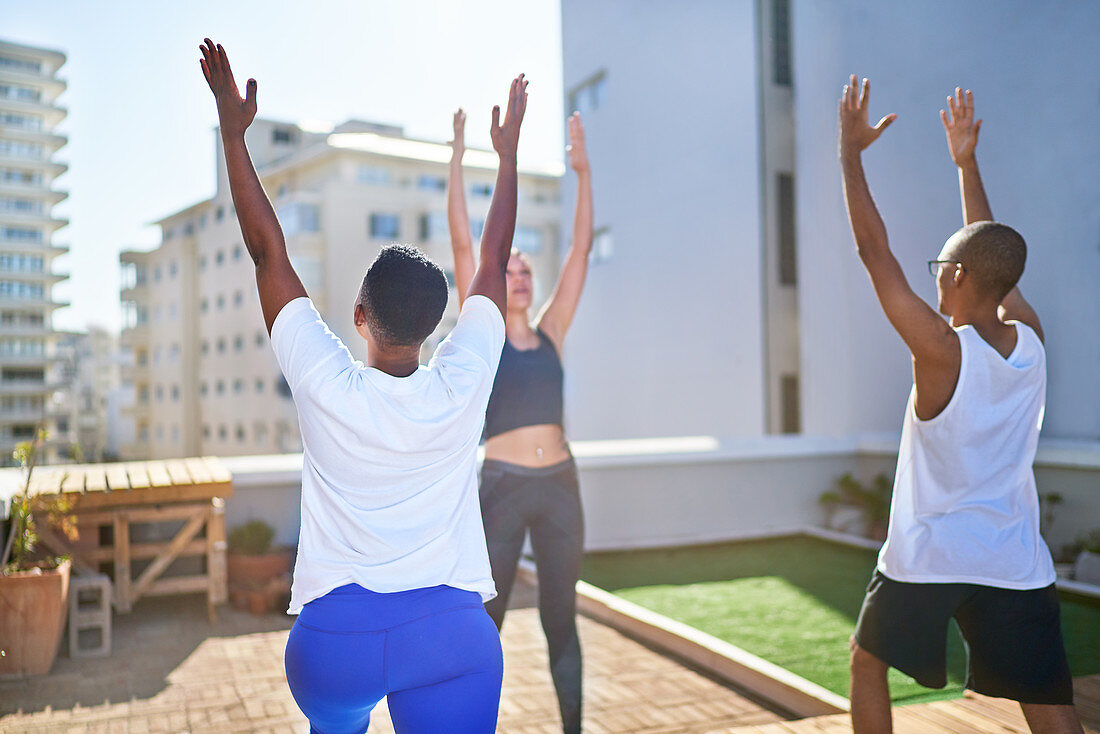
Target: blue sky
140,116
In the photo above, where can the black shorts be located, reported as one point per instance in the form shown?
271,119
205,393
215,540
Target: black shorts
1013,638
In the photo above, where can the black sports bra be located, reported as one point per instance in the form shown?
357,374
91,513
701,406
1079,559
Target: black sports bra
527,390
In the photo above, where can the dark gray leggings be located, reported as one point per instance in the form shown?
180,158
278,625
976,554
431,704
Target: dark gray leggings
515,499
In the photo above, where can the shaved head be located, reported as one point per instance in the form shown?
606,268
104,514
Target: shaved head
992,254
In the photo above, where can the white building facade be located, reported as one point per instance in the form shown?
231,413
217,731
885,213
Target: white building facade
204,378
726,285
31,375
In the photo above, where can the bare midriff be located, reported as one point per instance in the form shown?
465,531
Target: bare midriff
533,446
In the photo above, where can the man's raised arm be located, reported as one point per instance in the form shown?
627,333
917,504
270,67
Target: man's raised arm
500,223
275,277
928,336
962,129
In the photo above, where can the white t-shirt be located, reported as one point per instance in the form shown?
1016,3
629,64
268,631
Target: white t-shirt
965,507
389,476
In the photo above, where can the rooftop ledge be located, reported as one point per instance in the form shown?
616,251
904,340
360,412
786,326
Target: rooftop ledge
642,452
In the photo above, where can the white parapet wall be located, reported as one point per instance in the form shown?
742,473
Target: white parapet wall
698,489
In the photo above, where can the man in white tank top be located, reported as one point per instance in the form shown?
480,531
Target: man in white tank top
963,538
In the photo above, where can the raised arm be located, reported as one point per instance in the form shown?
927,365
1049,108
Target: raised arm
558,312
500,223
458,219
929,338
962,142
275,277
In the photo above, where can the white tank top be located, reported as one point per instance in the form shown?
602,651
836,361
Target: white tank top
965,508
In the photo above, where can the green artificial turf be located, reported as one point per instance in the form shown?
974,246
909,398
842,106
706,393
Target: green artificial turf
793,601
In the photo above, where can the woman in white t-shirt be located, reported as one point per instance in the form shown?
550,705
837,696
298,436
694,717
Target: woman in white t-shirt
392,570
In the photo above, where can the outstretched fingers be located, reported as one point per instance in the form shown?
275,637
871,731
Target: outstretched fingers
885,122
865,94
496,117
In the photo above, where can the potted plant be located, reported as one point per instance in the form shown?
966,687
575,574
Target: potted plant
258,573
1086,568
850,503
34,586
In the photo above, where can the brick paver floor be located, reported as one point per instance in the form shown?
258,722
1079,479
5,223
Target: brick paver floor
171,671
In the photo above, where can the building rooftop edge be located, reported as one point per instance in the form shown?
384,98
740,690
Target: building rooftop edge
39,50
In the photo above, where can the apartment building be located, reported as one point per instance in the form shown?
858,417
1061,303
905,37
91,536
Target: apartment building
726,282
30,373
90,363
204,378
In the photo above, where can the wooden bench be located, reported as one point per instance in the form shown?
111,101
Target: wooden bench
107,499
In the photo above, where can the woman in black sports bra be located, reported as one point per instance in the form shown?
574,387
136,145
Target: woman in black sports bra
528,480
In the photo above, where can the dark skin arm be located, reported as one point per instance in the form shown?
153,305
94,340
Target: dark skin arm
962,129
932,343
500,223
276,280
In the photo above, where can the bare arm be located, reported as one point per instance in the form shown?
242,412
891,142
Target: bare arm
500,223
458,219
962,141
276,280
558,312
929,338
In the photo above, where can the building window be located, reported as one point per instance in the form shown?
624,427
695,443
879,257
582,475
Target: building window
219,214
283,387
202,263
12,62
431,183
283,136
222,433
156,274
481,190
781,41
261,433
205,346
237,252
219,302
202,389
433,227
221,346
160,393
788,399
376,175
206,430
175,393
238,298
603,246
385,226
298,217
219,258
589,95
260,340
477,226
788,255
240,433
203,305
238,343
527,239
238,386
219,387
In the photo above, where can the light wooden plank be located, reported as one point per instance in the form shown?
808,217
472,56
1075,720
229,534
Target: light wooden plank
158,474
46,481
145,550
117,478
177,472
73,481
217,469
95,479
146,514
123,591
176,585
139,475
200,474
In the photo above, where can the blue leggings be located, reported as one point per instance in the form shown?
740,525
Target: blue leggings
434,652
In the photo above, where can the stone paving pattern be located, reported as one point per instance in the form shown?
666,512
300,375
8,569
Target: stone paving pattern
171,671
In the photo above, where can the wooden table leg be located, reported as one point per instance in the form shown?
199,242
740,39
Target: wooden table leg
217,592
122,594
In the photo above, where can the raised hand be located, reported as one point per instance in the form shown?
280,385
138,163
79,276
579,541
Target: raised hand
578,157
235,113
458,143
961,127
856,132
506,137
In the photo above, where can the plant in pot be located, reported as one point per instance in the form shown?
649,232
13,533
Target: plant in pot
34,585
258,573
851,505
1086,569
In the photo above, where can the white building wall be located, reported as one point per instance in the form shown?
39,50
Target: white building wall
668,337
1032,67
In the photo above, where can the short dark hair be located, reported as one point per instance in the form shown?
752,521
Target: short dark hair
992,254
403,296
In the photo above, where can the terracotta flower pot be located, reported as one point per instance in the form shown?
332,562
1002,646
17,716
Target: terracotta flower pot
33,608
253,572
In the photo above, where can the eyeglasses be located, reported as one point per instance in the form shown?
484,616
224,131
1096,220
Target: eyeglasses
934,266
